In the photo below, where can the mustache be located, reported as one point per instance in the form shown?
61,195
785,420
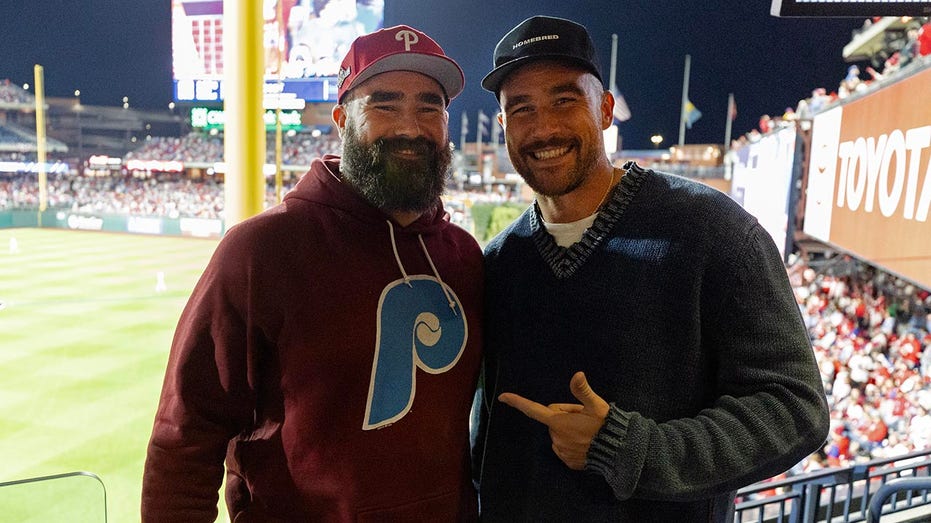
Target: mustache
419,145
552,143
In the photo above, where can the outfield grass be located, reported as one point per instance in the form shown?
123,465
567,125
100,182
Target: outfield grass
84,338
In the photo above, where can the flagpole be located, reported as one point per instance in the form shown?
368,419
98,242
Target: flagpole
463,129
478,136
685,97
611,84
727,126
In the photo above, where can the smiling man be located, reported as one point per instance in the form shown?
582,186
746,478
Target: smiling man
644,354
329,353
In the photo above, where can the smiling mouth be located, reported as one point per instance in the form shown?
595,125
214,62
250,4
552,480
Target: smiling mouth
550,153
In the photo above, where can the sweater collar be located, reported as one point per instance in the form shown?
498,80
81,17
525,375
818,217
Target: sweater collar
565,261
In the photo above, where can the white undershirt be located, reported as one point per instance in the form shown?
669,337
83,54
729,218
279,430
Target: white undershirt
566,234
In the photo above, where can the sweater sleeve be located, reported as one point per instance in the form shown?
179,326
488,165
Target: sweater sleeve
206,399
770,410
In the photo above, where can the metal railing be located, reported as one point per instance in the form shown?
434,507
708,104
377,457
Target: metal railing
833,495
908,487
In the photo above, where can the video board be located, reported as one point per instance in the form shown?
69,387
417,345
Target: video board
303,51
850,8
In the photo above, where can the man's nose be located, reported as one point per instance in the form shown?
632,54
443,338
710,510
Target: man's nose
408,125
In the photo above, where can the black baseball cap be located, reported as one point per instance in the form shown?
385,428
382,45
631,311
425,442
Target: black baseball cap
541,37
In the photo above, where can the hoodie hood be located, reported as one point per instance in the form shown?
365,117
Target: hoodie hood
323,185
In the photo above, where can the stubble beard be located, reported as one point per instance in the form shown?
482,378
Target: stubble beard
395,184
547,184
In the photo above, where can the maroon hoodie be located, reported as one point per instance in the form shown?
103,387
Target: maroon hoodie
330,356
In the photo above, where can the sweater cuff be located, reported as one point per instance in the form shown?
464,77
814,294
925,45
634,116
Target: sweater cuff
602,456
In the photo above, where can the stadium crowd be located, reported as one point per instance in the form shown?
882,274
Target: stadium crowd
871,334
165,195
297,149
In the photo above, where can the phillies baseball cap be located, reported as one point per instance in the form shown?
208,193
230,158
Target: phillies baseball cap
398,48
542,37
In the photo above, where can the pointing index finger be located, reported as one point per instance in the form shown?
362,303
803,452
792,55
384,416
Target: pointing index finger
531,409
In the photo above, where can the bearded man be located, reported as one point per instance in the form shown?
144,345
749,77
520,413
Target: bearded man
329,353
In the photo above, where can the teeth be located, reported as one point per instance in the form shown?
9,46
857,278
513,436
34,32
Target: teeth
550,153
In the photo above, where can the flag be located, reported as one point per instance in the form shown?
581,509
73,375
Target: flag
464,129
731,108
692,114
495,133
483,122
621,111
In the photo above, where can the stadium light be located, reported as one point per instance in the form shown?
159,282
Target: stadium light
656,139
25,87
125,102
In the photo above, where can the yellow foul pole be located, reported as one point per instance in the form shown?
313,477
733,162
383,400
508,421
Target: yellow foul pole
40,139
244,142
280,54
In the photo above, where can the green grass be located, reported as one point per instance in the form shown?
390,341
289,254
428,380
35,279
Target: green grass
84,340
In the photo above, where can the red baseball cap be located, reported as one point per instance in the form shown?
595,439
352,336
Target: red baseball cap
398,48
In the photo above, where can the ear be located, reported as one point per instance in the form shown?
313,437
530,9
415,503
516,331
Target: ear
607,110
500,118
339,117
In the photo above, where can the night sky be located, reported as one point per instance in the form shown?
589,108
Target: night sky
109,49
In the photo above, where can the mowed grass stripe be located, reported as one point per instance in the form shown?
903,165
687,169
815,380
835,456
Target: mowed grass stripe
84,339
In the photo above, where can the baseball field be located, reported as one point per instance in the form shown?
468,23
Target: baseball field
86,321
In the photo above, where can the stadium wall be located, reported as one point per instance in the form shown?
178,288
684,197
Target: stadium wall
153,225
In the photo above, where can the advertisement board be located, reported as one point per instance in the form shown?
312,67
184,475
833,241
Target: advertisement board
869,179
762,178
303,52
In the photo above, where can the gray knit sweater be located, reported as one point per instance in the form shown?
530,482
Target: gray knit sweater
677,307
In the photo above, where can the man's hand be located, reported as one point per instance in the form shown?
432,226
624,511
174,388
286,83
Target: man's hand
572,427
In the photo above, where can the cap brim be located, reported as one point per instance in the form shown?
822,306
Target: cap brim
442,69
493,80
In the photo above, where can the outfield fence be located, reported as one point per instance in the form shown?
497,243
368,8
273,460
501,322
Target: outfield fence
152,225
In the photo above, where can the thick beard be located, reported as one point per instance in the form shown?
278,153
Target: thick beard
392,184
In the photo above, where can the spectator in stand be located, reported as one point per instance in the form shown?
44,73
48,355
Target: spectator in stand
851,83
650,284
924,39
296,358
766,124
912,48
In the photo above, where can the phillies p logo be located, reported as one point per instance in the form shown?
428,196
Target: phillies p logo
416,330
408,37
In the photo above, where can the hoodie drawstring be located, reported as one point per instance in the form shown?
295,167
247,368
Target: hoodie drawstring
397,257
449,299
436,273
